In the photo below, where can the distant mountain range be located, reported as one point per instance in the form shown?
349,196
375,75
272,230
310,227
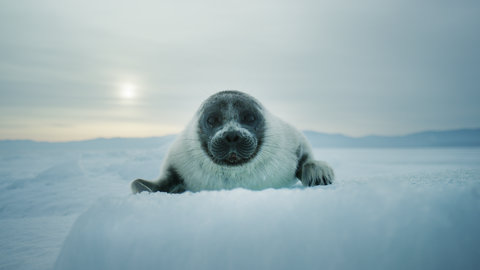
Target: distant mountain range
94,144
451,138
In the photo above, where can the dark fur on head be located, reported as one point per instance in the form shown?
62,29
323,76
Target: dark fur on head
231,127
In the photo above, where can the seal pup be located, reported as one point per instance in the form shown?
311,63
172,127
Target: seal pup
234,142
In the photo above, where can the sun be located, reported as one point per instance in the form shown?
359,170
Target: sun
128,91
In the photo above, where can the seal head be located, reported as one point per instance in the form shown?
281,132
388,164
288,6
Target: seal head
231,128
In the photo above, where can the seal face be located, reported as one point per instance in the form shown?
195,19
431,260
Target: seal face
231,128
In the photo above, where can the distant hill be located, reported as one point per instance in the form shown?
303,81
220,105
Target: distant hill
451,138
95,144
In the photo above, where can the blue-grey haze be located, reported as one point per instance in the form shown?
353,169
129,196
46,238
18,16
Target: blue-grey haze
351,67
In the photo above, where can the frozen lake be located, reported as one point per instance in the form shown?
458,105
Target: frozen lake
389,209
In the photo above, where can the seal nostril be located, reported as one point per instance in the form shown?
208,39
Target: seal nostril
232,137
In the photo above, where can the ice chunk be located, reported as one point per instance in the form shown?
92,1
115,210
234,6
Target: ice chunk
336,227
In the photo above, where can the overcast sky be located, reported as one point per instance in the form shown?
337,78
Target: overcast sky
352,67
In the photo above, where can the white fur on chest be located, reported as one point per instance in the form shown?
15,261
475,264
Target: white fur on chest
274,165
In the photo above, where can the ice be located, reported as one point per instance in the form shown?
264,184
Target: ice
71,208
330,228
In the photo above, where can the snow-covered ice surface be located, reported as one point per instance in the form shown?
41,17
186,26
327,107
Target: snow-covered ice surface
389,209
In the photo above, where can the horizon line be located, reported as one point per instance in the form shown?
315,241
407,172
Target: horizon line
303,131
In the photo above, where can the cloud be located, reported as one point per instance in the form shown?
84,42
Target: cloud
394,66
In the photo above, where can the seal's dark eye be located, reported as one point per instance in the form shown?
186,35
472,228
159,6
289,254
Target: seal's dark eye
248,118
213,120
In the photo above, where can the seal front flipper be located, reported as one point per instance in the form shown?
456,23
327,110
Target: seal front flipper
171,182
313,172
140,185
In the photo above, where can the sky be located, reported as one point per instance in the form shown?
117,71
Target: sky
74,70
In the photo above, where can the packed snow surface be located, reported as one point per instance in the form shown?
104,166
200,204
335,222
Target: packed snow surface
389,209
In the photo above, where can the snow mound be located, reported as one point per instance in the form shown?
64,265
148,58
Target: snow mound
372,226
389,209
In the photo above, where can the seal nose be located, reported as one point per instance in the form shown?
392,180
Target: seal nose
232,137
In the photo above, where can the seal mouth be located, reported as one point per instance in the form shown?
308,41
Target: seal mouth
233,159
232,147
232,156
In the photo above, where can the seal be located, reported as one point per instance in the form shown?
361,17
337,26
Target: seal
234,142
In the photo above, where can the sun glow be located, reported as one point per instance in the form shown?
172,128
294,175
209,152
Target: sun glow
128,91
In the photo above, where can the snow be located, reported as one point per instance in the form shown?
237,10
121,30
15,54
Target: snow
63,208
